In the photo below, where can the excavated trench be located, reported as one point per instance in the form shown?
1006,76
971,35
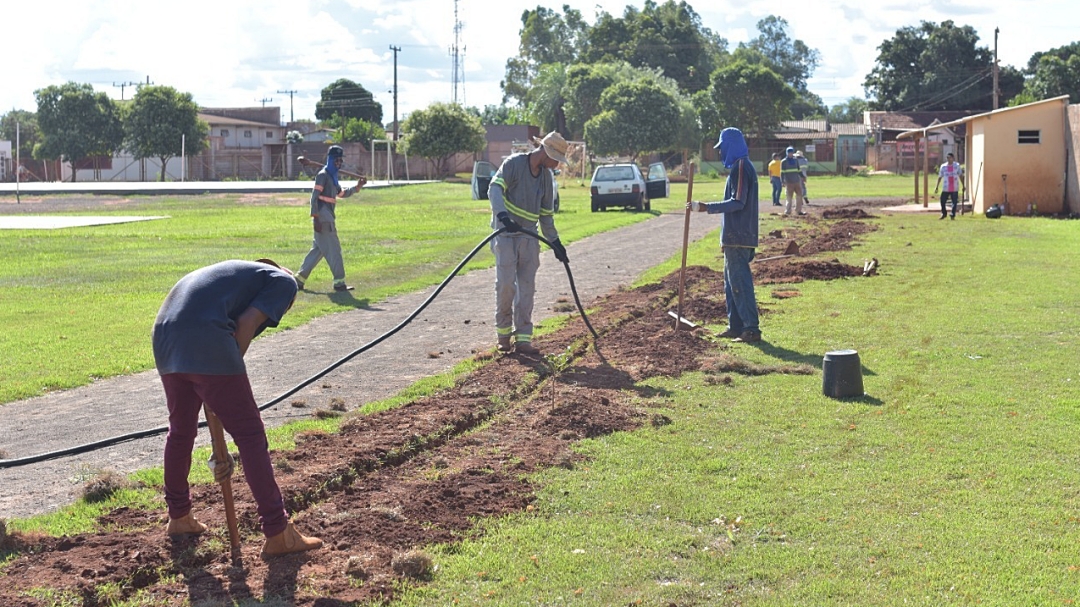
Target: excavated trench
424,472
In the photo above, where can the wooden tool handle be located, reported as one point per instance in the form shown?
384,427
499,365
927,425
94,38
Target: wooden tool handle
314,164
685,242
221,456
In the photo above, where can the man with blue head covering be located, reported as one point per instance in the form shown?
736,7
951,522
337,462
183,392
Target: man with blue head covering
738,236
324,196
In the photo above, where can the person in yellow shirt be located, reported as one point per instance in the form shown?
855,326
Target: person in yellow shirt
774,178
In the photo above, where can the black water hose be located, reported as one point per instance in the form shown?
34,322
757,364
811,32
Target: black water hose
107,442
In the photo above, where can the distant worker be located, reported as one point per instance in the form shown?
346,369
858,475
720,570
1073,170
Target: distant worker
804,164
522,194
953,174
774,178
200,336
793,181
324,196
739,235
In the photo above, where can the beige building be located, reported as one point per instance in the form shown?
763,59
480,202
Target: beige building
1016,156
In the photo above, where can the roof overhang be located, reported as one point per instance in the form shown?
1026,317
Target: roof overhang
918,133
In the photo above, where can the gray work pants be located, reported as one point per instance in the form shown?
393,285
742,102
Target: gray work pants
517,258
325,244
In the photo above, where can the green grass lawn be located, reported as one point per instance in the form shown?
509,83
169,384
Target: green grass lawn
956,480
78,303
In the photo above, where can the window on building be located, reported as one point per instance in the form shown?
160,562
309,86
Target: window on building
247,134
1028,137
224,132
269,134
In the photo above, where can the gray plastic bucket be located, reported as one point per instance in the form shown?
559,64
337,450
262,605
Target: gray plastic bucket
842,374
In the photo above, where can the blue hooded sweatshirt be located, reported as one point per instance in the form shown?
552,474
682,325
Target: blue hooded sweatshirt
740,203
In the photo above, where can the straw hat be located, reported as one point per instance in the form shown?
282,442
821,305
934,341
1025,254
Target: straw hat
554,146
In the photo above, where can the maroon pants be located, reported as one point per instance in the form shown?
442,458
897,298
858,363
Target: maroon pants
230,398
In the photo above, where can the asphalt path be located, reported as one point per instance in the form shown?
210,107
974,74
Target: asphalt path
456,325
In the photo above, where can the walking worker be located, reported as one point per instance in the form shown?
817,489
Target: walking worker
793,179
774,178
324,196
201,334
804,165
953,174
522,195
739,235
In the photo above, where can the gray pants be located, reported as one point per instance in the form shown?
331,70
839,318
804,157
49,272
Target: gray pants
325,244
517,258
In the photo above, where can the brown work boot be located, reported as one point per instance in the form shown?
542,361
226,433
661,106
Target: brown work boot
289,541
728,334
505,345
185,525
526,348
748,337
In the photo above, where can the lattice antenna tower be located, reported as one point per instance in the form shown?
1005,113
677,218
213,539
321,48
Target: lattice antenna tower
458,54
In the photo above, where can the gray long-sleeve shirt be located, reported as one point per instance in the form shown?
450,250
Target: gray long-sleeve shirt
528,198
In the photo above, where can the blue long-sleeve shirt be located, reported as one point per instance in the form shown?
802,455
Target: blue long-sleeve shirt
740,206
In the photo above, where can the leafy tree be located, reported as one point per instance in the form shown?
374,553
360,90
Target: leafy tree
344,98
793,60
162,123
636,117
935,67
1061,52
808,106
440,131
668,36
355,129
499,114
751,97
849,111
76,123
544,101
546,37
1053,76
27,130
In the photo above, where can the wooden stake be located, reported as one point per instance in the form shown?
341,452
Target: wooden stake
221,456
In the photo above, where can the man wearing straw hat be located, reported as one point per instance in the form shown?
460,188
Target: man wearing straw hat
522,195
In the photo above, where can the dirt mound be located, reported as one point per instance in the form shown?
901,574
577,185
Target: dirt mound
848,213
422,473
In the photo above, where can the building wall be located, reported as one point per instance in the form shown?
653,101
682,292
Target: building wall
1034,173
1072,167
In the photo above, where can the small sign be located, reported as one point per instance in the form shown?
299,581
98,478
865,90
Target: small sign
810,149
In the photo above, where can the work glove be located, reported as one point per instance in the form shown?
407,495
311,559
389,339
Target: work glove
221,472
315,224
560,251
508,223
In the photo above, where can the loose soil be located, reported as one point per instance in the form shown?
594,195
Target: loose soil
426,472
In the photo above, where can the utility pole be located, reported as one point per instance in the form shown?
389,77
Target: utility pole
264,100
995,69
122,85
290,94
396,49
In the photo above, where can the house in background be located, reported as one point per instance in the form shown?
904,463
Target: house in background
886,152
244,143
830,147
1016,156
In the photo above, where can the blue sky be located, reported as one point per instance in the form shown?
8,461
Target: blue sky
241,52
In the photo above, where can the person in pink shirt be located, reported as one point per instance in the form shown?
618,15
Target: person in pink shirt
953,174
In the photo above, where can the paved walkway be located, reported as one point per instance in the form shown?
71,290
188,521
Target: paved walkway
457,324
